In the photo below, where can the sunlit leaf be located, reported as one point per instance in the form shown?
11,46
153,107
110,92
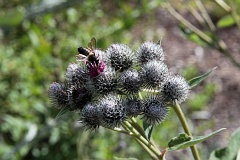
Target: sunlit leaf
193,141
195,81
226,21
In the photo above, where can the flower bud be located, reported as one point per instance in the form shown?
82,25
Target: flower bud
89,116
155,110
120,57
76,74
58,94
154,74
175,88
133,106
79,97
130,81
106,81
149,51
111,111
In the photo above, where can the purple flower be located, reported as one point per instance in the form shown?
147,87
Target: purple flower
94,69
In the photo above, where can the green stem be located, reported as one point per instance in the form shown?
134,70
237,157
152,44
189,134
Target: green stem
184,123
121,131
150,153
131,134
224,5
205,15
141,131
142,139
235,14
137,127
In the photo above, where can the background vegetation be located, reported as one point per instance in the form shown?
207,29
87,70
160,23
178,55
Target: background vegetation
38,39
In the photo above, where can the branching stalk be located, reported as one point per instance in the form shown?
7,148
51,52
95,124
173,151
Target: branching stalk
150,153
142,139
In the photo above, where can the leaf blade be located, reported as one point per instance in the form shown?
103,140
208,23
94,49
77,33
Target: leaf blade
194,141
196,80
226,21
148,128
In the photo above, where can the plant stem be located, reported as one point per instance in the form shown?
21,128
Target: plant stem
224,5
137,127
128,126
184,123
235,13
187,23
140,130
127,132
150,153
205,15
121,131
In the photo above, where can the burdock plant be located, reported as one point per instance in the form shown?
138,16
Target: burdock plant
112,88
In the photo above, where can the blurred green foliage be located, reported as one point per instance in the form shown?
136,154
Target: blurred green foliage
202,98
38,39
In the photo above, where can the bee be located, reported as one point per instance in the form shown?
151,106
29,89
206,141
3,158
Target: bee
88,54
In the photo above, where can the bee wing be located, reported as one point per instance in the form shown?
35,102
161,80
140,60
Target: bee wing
94,42
81,57
92,45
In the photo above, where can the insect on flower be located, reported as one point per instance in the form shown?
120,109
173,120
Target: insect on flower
91,60
88,54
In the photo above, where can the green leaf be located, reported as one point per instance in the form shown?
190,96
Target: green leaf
231,151
181,138
148,128
195,81
11,18
193,141
226,21
62,112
